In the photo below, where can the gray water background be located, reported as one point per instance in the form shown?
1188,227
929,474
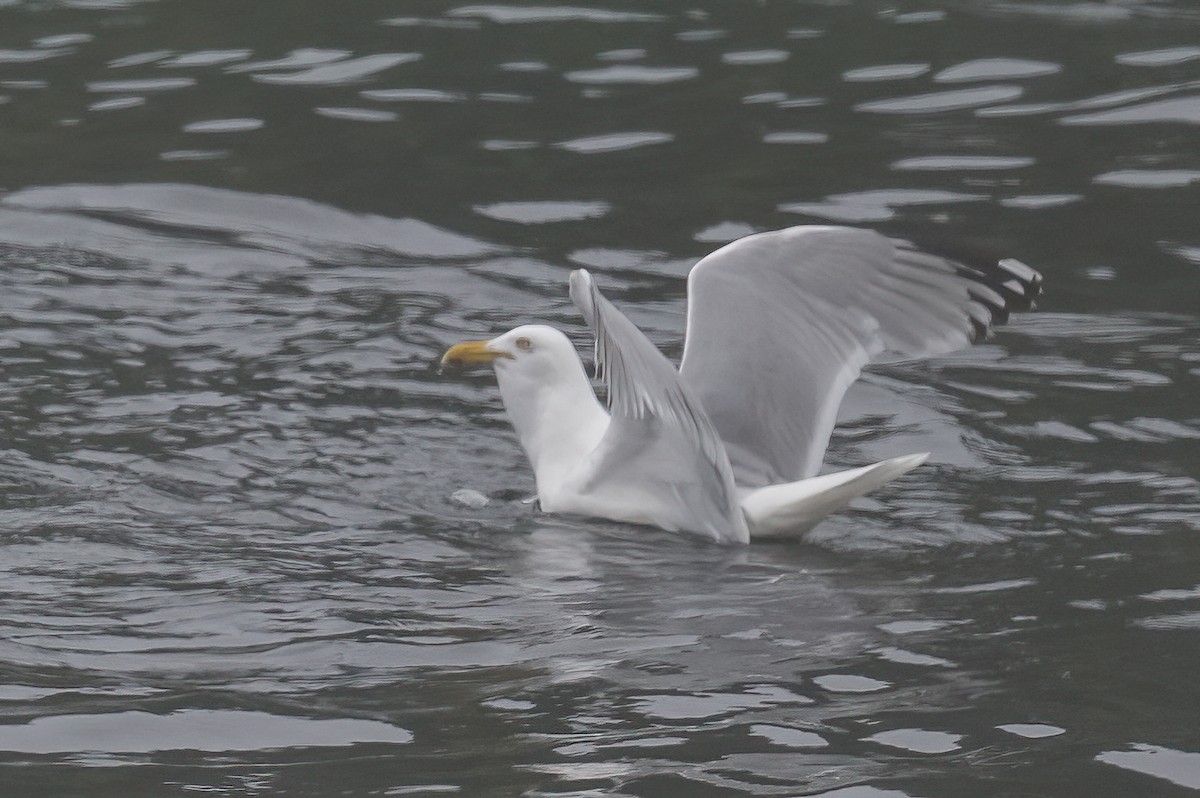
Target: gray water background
235,237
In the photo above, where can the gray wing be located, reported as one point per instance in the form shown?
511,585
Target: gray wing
660,444
781,323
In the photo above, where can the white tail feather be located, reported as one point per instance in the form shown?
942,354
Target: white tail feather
790,509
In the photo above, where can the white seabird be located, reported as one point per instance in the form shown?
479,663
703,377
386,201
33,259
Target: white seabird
779,325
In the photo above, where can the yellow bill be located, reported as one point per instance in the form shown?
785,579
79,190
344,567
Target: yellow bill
470,353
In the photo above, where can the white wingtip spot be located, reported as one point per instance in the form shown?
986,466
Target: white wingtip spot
1020,270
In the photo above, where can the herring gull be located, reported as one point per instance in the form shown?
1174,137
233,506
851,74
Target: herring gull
729,445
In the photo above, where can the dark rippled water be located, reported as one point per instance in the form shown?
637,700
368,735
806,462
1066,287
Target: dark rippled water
243,548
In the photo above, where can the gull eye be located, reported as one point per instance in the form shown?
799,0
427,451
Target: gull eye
524,344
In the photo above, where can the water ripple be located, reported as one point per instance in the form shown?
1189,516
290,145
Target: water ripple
1169,56
648,75
1179,109
506,14
542,212
203,58
937,102
885,72
273,223
614,142
338,72
413,95
29,56
996,69
196,730
223,125
1177,767
134,86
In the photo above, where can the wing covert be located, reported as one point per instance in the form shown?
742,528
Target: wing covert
660,438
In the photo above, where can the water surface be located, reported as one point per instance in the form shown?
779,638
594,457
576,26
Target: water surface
237,556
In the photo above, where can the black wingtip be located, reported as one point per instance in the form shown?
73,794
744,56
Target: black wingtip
1016,281
998,287
1024,284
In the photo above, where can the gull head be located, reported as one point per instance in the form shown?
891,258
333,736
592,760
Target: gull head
547,395
531,353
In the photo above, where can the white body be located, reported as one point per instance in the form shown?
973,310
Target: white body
561,426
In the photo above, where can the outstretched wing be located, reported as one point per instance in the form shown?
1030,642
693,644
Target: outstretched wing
781,323
661,452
